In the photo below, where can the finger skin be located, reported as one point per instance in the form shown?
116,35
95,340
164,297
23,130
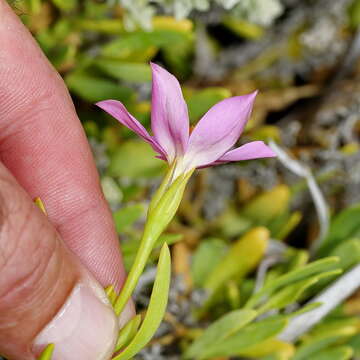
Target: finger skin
37,273
43,144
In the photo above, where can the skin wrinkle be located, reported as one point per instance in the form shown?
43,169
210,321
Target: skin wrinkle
37,268
23,225
43,145
35,285
9,212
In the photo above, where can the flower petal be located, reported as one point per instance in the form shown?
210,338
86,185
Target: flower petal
249,151
219,129
169,114
118,111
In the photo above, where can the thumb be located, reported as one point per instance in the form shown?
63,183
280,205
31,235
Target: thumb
46,295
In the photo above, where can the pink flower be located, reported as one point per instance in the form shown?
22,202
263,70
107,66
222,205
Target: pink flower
211,141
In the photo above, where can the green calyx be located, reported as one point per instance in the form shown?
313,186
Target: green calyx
161,211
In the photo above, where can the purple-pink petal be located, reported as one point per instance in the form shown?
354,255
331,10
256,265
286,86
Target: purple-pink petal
219,129
118,111
249,151
169,114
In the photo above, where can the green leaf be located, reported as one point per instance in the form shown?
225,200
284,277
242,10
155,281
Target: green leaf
324,335
128,332
38,202
47,352
345,225
142,45
355,344
111,294
65,5
134,159
354,13
296,275
132,72
232,224
291,293
200,102
206,257
218,331
304,309
241,258
349,254
107,26
156,308
243,28
93,89
168,239
127,216
334,353
268,206
272,346
245,338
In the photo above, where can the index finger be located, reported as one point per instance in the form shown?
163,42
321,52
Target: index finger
43,144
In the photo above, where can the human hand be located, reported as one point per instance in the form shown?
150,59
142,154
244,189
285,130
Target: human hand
47,293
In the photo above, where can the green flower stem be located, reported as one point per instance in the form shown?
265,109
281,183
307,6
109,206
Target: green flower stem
164,206
162,188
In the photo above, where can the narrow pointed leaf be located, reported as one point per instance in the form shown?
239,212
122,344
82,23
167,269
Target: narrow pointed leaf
128,332
296,275
245,338
219,331
47,353
156,309
38,202
250,248
111,294
291,293
335,353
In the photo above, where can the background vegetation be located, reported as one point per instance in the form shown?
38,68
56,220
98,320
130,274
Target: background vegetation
253,242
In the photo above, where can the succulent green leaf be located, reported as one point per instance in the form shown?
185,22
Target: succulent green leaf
156,309
38,202
345,225
93,89
355,344
304,309
122,162
354,13
220,330
311,269
65,5
126,71
334,353
200,102
127,216
268,206
111,294
349,255
246,337
128,332
47,352
206,257
250,248
324,335
291,293
138,45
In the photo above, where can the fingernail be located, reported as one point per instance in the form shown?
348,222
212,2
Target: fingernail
85,328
